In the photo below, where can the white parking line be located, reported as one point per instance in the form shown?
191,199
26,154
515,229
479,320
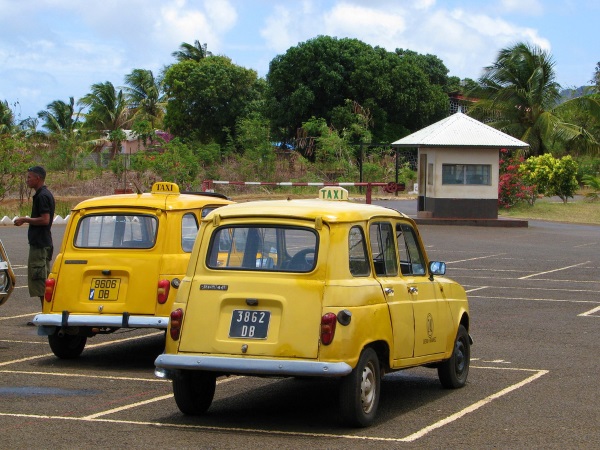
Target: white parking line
410,438
473,259
19,316
475,406
476,289
102,344
591,312
552,271
145,402
535,299
82,375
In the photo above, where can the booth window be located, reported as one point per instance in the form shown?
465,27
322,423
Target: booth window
477,174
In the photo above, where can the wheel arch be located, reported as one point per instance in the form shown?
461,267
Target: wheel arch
382,350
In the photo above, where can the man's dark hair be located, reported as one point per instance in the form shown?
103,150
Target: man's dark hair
38,170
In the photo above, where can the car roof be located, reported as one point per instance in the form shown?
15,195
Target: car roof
164,196
328,211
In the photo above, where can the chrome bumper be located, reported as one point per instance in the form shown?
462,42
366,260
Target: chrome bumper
167,364
47,322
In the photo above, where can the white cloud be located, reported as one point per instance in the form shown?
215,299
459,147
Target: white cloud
529,7
277,30
376,27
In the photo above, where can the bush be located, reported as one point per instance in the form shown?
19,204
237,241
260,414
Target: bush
551,176
512,188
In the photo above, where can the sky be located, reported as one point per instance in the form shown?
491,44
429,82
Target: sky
56,49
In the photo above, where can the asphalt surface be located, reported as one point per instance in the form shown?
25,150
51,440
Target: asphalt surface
535,315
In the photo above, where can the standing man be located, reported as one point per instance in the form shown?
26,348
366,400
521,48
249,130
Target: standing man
39,233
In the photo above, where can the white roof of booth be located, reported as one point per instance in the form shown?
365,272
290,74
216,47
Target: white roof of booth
459,130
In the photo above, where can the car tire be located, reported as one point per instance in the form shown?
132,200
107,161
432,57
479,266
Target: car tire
359,391
194,391
67,346
454,371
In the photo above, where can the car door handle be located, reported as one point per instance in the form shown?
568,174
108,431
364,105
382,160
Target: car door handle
413,290
388,291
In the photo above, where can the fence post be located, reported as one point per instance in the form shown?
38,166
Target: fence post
368,199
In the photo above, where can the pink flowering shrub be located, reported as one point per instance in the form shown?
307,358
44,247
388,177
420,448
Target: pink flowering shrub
512,187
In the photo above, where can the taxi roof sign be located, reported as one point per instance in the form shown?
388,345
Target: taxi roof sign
333,193
164,187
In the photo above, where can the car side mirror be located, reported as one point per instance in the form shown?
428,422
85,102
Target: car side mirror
436,268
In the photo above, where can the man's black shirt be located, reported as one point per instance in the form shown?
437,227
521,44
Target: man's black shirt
43,203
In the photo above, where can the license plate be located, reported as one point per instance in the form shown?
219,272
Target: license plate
249,324
104,288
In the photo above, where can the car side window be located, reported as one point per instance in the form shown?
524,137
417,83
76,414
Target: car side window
357,253
411,256
383,249
189,230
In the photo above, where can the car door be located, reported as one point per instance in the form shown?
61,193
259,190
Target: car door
399,301
7,276
431,311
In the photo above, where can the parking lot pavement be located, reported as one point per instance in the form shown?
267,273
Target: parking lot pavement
535,314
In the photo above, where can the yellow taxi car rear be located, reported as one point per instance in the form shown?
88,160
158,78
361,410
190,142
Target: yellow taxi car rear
120,264
313,288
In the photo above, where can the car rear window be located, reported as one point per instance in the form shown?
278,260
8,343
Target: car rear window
116,231
263,248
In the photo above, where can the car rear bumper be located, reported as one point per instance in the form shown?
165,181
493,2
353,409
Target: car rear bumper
166,365
49,321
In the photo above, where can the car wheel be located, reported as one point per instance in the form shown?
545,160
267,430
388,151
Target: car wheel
359,391
194,391
454,371
67,346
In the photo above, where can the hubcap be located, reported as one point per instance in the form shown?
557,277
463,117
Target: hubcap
368,388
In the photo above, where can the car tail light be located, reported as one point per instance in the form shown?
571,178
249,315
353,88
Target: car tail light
49,292
175,323
163,291
328,322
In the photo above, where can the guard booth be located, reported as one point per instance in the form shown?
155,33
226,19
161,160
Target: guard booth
458,167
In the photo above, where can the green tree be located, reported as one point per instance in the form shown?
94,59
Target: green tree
253,137
189,52
145,96
108,111
14,159
317,78
177,164
519,93
206,98
7,118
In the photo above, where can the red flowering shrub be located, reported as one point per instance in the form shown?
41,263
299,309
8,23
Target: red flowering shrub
512,188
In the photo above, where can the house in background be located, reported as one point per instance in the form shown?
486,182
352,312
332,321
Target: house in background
458,167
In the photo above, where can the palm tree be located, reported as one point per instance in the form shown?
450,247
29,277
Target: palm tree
145,96
108,111
189,52
60,118
520,95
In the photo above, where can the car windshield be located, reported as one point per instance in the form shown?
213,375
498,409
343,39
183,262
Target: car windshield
263,248
116,231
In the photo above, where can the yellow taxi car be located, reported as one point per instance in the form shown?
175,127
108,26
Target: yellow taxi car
120,264
7,276
313,288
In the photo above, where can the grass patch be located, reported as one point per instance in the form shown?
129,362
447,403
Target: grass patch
579,211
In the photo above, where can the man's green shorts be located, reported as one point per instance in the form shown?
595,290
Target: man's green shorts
38,268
